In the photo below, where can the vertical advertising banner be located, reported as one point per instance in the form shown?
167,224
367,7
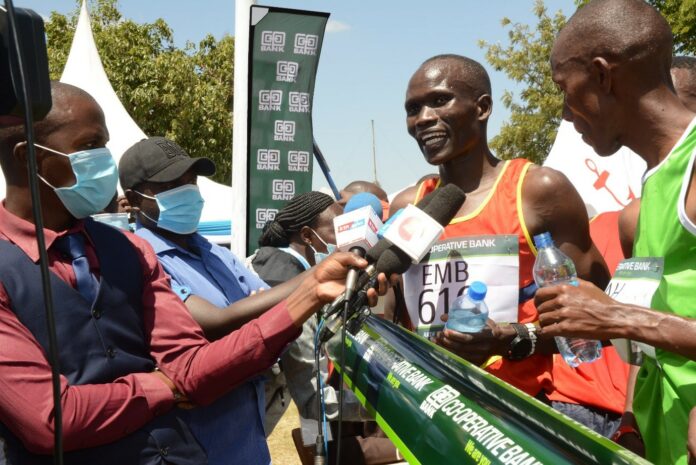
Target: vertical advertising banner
284,54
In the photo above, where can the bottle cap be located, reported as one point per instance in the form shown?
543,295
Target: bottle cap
543,240
477,290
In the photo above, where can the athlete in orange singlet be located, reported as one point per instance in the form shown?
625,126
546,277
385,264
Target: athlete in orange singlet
448,103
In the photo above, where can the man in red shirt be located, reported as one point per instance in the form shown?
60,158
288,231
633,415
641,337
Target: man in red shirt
129,350
448,103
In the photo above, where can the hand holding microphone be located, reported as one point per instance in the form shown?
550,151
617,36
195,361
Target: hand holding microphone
356,230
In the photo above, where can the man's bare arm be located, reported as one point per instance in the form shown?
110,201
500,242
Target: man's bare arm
217,322
586,311
551,203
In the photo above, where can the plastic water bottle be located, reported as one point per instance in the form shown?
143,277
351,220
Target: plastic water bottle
468,313
552,267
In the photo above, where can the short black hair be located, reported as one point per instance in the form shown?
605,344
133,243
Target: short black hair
620,30
356,187
12,135
475,74
684,62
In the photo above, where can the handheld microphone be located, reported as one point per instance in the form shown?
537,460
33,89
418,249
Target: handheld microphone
356,231
372,255
362,199
391,259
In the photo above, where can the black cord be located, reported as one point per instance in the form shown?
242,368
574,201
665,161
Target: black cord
40,240
342,363
319,449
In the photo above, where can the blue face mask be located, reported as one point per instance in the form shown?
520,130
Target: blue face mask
320,256
180,209
96,177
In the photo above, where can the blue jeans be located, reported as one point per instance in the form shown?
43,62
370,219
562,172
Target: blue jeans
598,420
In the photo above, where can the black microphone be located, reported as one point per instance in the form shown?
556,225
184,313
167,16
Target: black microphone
441,207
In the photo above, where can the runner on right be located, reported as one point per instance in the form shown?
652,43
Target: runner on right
612,62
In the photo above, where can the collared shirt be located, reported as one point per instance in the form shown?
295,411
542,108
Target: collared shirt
102,413
212,272
216,275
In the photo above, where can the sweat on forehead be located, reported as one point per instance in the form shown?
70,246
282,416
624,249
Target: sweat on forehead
457,69
65,95
617,30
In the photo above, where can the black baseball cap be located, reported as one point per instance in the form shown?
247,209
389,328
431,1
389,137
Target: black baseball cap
158,159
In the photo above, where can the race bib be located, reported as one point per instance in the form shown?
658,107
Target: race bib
446,272
635,282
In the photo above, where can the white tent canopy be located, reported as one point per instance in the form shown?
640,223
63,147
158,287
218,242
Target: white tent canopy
84,69
604,183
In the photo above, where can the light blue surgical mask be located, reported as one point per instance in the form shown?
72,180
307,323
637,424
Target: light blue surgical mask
180,209
96,177
117,220
320,256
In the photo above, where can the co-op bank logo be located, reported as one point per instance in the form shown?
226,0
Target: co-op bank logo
283,189
272,41
268,160
264,215
284,131
270,100
287,71
298,160
306,44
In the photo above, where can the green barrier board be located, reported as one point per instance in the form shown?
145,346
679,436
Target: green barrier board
440,409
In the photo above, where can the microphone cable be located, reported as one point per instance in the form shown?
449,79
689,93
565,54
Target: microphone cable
32,171
321,446
342,363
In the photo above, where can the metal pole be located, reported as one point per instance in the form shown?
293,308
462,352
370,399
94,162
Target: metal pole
325,169
240,124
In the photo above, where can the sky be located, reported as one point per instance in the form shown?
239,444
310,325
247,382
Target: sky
370,51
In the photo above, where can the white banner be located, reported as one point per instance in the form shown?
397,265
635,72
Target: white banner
604,183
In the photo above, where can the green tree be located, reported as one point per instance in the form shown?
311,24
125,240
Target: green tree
534,119
681,16
184,94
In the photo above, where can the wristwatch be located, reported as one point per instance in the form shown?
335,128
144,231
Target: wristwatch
524,343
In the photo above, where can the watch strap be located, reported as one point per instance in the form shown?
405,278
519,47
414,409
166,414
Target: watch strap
623,430
532,330
522,335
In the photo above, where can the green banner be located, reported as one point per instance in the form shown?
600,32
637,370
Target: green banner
438,408
284,54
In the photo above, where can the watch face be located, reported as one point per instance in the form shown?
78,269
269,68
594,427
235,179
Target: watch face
520,348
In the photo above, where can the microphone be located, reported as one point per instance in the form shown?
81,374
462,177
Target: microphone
371,256
362,199
356,231
441,207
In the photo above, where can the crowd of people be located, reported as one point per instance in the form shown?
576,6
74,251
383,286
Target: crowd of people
174,350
